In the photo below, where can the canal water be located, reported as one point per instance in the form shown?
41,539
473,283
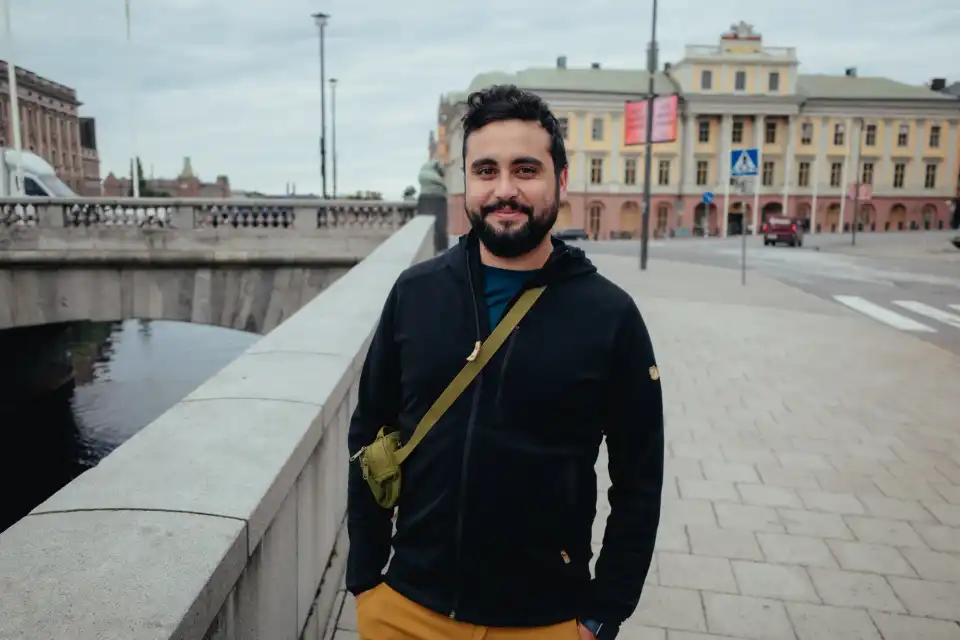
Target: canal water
126,375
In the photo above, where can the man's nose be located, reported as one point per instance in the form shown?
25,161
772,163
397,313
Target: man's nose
506,187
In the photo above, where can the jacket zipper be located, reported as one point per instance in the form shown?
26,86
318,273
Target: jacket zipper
475,404
469,438
503,367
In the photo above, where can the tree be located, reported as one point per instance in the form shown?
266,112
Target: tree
409,193
145,191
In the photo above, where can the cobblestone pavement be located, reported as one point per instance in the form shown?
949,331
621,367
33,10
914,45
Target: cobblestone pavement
812,483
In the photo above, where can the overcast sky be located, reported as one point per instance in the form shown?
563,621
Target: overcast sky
235,83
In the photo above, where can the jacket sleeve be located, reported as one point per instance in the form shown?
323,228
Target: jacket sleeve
635,448
369,525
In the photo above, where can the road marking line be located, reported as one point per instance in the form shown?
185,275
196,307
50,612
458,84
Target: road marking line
892,318
955,306
922,309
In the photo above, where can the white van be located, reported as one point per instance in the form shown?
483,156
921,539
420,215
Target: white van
39,178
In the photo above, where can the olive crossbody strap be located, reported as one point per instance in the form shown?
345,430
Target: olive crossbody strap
482,353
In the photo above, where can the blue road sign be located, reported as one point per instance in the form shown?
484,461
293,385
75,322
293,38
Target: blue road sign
708,197
743,162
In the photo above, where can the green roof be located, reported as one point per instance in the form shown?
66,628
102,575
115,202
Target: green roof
625,81
847,87
634,81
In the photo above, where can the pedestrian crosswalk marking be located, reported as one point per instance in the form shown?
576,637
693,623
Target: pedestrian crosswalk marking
954,306
922,309
891,318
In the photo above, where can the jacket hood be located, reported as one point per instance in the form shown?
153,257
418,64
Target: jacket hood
565,262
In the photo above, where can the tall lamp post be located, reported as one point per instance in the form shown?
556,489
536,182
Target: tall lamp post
333,131
648,169
134,165
321,20
856,194
14,99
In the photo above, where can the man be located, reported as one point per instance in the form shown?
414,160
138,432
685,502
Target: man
494,520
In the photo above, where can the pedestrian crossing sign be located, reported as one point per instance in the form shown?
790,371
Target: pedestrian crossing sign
743,162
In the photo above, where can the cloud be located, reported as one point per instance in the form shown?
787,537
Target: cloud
235,84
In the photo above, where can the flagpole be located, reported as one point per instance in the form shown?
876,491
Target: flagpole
14,99
134,169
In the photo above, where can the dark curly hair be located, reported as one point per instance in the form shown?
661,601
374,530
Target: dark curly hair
506,102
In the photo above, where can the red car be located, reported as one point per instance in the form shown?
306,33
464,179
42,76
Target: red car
782,229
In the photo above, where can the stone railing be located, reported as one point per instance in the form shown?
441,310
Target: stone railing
225,517
199,213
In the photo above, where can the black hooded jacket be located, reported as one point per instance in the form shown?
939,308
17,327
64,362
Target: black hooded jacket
497,503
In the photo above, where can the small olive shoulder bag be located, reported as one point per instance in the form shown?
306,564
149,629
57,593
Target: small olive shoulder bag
380,461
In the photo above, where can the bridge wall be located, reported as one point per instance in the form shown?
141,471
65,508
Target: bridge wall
240,263
223,519
238,295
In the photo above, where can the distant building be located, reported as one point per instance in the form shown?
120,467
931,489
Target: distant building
817,136
185,185
50,126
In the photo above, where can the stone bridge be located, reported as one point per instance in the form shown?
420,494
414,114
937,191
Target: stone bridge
225,517
244,264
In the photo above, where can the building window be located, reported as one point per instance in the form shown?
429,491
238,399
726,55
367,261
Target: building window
564,125
706,80
663,174
740,81
767,173
630,171
806,133
866,176
899,170
930,176
903,135
702,168
838,134
596,170
935,136
737,134
704,130
836,170
596,131
770,135
803,174
773,81
871,135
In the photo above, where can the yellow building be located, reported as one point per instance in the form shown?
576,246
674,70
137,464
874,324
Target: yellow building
815,136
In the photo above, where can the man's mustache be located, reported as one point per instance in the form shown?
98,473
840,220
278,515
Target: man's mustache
512,205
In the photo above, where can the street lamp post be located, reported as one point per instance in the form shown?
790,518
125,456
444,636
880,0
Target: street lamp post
134,165
14,99
856,194
648,169
321,20
333,131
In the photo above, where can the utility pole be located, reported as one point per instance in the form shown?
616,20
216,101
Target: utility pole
321,21
648,168
856,193
333,125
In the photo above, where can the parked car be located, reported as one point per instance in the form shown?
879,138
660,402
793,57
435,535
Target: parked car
782,229
956,242
571,234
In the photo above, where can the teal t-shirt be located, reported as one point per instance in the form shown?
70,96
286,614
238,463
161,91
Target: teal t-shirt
499,287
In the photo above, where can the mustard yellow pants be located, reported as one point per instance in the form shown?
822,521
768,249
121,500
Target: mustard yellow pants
384,614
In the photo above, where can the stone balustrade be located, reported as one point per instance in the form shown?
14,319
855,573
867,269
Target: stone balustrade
289,214
225,517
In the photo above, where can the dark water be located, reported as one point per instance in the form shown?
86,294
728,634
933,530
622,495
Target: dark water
126,375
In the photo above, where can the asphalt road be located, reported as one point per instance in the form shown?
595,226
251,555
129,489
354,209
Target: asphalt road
909,282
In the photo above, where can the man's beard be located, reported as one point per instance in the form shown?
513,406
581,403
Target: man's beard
517,238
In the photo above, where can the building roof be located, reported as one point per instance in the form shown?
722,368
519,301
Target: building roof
634,81
853,88
621,81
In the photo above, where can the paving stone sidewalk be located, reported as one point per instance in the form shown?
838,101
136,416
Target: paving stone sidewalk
812,483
